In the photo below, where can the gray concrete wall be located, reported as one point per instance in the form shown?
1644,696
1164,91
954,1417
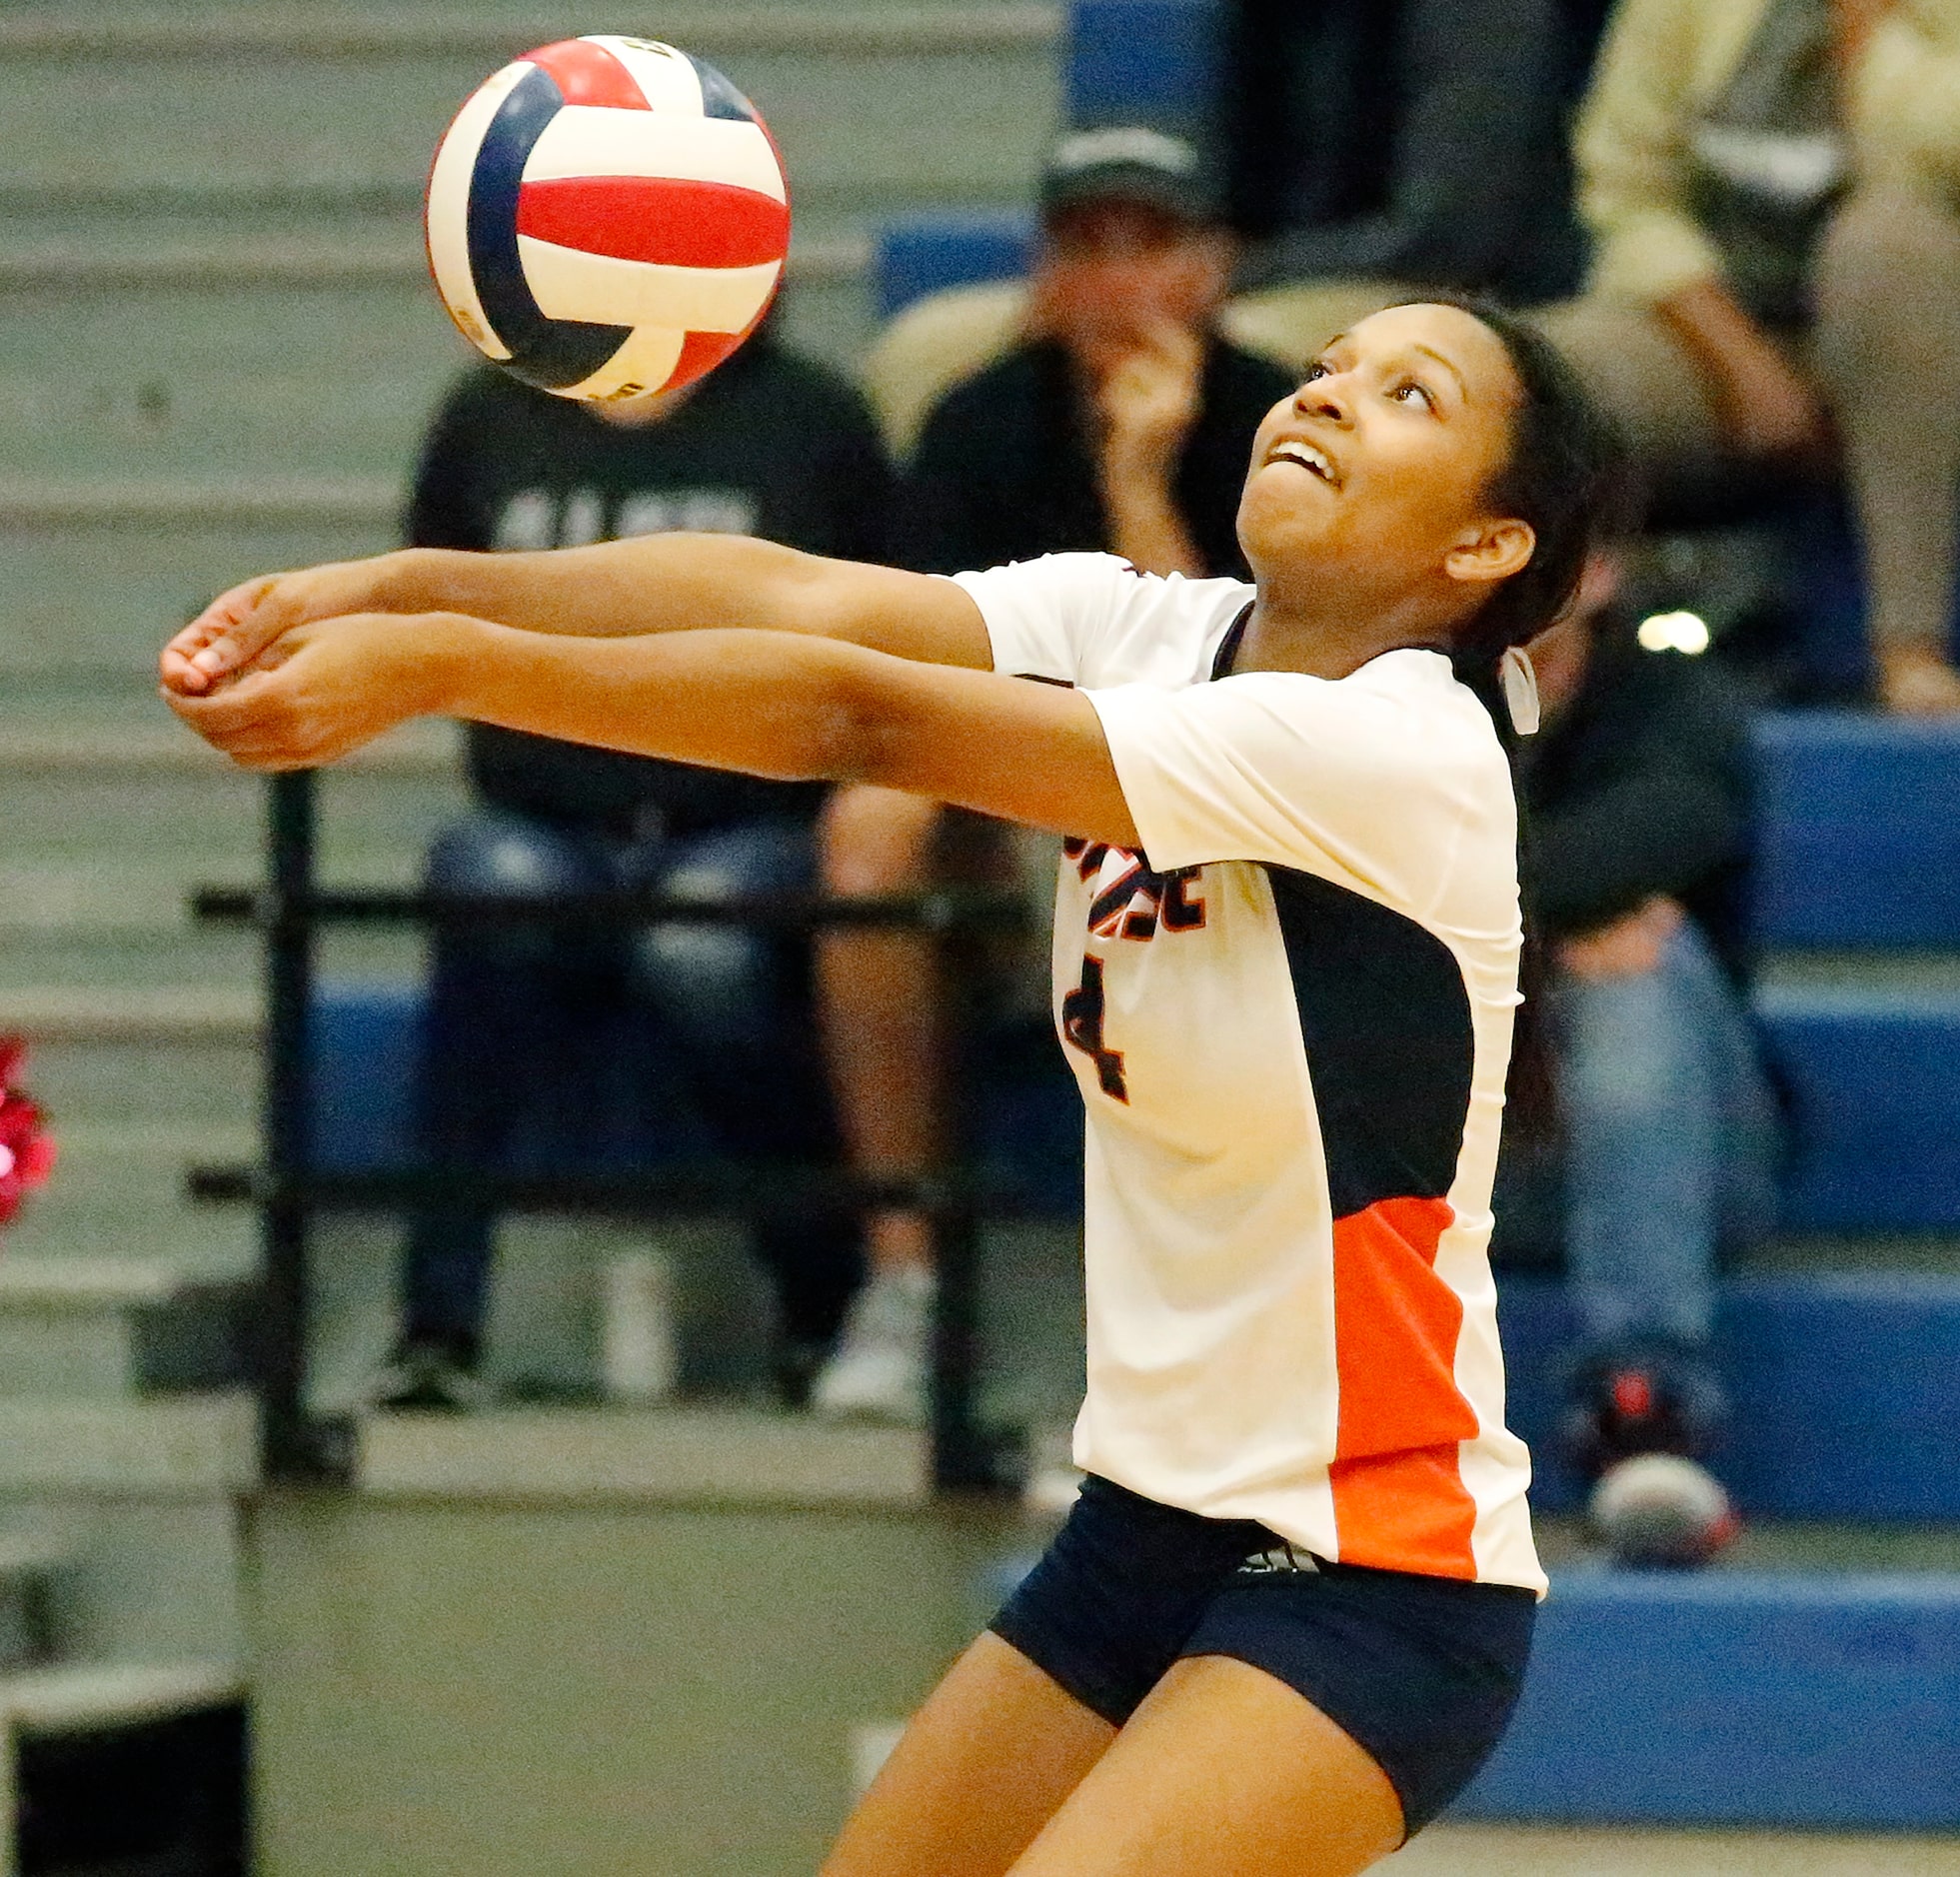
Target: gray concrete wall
585,1690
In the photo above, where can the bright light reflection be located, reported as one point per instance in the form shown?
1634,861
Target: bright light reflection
1674,631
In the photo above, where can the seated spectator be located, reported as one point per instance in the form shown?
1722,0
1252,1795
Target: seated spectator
565,1027
1119,420
1638,829
1774,186
1410,144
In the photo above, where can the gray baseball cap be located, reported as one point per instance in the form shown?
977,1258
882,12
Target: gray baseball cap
1130,163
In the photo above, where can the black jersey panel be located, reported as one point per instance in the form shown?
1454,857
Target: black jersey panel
1385,1018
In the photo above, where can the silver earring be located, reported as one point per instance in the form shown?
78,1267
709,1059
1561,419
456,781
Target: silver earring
1520,690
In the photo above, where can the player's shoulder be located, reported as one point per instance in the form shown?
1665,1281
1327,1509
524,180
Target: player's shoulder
1403,717
1443,718
1122,585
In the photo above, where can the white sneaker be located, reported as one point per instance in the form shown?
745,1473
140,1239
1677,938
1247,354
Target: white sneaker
1659,1510
877,1370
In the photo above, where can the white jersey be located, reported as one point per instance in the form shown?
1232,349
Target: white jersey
1290,1017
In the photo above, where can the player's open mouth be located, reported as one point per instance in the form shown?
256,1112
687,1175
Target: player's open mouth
1314,460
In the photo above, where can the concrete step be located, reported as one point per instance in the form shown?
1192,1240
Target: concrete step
111,823
131,1574
82,1697
117,1204
96,600
226,340
357,99
262,295
672,1455
188,1447
81,1329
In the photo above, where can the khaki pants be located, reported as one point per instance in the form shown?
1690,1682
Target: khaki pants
1885,347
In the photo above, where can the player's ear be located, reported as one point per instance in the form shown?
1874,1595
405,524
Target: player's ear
1492,551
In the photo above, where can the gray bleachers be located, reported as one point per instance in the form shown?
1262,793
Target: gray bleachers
217,337
218,345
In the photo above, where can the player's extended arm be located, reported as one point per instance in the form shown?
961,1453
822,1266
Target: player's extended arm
785,704
653,583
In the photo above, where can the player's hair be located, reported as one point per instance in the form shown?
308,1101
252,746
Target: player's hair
1566,475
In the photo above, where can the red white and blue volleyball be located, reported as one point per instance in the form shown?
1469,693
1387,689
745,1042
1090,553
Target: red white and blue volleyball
606,218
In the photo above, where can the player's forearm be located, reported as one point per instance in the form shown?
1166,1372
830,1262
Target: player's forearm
799,709
659,583
620,588
791,709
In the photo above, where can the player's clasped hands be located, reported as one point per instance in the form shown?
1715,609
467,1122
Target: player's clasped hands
280,672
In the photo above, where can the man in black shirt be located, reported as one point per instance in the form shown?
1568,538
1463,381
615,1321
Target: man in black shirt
1121,423
548,1043
1639,830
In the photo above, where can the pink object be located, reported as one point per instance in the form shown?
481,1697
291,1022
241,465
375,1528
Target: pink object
27,1150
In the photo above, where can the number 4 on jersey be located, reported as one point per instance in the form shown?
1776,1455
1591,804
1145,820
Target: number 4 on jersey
1082,1028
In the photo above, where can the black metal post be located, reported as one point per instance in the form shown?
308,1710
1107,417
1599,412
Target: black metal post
299,1446
963,1459
964,1452
290,1447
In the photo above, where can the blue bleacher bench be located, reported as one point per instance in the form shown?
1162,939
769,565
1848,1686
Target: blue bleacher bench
924,254
1149,60
1858,831
1842,1385
1722,1697
1732,1698
1873,1079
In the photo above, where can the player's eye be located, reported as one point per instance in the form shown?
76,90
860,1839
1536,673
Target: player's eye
1317,369
1413,390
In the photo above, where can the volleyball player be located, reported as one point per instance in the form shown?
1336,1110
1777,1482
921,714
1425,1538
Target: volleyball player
1289,1614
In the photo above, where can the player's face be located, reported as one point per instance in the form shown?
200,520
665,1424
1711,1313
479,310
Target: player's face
1380,464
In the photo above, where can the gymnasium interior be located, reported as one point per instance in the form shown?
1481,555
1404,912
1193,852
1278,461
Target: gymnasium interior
247,1627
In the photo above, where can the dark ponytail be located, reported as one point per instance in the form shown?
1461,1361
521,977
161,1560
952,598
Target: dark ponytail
1567,476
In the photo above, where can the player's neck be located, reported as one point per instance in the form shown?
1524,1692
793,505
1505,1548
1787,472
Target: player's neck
1330,638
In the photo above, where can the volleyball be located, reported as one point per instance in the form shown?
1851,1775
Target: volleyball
606,218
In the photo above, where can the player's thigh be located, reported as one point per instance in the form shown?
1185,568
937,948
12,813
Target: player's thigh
981,1769
1224,1771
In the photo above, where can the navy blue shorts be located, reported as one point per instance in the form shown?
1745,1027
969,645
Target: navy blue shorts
1422,1672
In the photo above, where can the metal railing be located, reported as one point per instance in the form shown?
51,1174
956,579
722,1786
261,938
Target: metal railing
290,1191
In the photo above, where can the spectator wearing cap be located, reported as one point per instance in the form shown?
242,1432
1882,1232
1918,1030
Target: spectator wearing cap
1111,418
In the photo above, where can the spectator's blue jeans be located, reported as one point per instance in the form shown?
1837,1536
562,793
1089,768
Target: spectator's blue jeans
554,1047
1669,1142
